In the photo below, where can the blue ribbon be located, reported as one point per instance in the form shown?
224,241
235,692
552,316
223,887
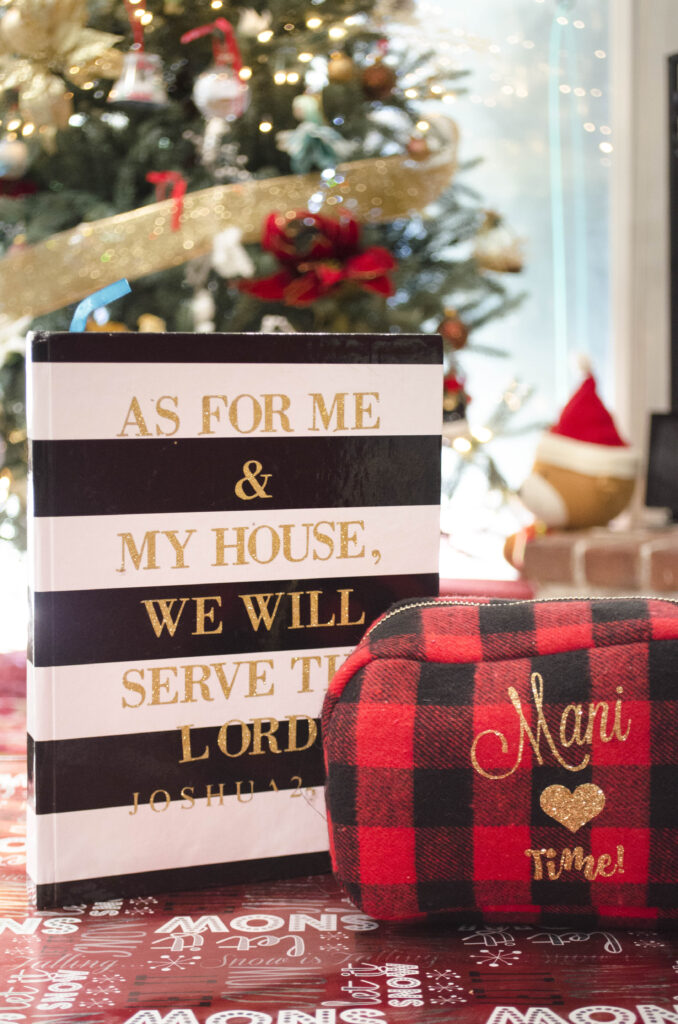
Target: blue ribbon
97,299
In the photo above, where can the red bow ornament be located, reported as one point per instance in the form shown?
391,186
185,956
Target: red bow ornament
318,254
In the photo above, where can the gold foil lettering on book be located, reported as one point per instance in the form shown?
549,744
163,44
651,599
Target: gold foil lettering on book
186,750
216,795
262,613
246,413
571,732
256,737
167,620
198,681
249,486
334,419
135,424
149,547
204,615
293,542
309,661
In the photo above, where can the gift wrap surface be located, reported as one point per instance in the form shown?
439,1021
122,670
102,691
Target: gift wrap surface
509,760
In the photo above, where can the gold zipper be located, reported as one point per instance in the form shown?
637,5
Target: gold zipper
451,602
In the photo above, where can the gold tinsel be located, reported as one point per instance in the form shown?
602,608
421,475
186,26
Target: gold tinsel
66,267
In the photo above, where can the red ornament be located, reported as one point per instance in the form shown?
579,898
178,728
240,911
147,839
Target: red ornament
454,331
455,398
378,81
318,254
418,148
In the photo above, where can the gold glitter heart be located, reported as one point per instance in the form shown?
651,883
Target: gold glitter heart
572,809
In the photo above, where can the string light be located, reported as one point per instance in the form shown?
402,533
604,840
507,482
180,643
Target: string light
216,5
146,18
600,54
589,126
265,36
292,77
265,126
245,73
411,94
565,88
579,91
279,78
605,129
337,32
462,445
28,128
14,124
605,147
314,22
423,126
305,57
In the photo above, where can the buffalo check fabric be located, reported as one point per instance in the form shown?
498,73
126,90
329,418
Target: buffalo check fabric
513,761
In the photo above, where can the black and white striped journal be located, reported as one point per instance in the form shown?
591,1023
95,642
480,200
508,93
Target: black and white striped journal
216,520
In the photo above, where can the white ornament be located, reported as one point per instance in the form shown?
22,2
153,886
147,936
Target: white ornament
140,80
203,309
219,92
229,259
273,324
12,336
14,159
251,23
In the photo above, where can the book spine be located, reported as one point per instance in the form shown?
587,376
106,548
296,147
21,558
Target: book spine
41,852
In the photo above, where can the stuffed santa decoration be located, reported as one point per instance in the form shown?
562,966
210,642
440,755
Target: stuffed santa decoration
584,472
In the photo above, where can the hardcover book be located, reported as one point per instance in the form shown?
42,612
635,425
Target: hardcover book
216,520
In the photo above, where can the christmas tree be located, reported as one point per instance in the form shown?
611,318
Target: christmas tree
284,167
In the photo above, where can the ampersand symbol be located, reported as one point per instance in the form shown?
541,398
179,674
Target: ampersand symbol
257,488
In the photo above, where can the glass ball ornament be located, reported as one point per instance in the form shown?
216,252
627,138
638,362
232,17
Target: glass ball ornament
340,68
141,81
14,159
378,81
497,248
220,92
454,331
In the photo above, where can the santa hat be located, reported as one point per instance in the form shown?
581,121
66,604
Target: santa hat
586,440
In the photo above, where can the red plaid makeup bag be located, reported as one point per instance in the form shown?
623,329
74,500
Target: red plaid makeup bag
509,760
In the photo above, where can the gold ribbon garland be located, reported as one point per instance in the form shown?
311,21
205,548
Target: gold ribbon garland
68,266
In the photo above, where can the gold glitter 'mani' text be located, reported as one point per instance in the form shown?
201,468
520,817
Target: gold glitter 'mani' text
579,725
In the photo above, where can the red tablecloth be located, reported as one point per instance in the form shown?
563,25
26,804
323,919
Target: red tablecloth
269,949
